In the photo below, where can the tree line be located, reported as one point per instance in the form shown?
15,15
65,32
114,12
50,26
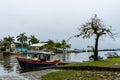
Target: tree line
25,40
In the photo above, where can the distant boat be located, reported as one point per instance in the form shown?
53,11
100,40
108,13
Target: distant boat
37,60
111,54
76,51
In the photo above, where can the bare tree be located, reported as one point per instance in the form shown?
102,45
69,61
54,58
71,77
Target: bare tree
97,29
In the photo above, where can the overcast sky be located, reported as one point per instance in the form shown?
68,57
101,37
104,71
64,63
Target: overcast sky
58,19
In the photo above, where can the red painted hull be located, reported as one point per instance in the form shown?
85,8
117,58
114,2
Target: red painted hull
30,63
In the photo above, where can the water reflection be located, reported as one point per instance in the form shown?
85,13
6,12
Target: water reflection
6,59
63,57
8,65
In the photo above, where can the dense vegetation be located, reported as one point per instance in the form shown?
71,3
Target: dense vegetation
26,41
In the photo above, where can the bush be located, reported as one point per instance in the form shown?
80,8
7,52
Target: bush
3,49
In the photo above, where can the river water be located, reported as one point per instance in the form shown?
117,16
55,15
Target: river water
10,66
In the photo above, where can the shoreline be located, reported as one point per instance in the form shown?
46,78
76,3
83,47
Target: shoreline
33,75
37,75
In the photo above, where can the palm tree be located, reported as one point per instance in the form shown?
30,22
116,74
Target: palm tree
22,38
50,42
33,40
65,45
58,45
8,40
50,45
68,46
97,29
1,42
63,42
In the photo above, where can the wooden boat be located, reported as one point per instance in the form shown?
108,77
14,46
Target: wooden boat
37,61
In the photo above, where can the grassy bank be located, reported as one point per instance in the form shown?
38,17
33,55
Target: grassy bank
81,75
112,62
87,75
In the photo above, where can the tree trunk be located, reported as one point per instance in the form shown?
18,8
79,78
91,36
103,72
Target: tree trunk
96,48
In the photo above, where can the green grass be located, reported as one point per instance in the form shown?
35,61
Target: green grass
86,75
104,63
81,75
70,75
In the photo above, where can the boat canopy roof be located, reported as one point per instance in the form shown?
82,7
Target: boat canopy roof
38,52
38,44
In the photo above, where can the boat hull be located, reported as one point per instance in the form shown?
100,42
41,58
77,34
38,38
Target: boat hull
29,63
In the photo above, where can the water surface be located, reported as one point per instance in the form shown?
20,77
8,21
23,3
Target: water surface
10,66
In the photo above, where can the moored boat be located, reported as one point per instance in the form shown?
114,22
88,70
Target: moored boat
111,54
37,59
